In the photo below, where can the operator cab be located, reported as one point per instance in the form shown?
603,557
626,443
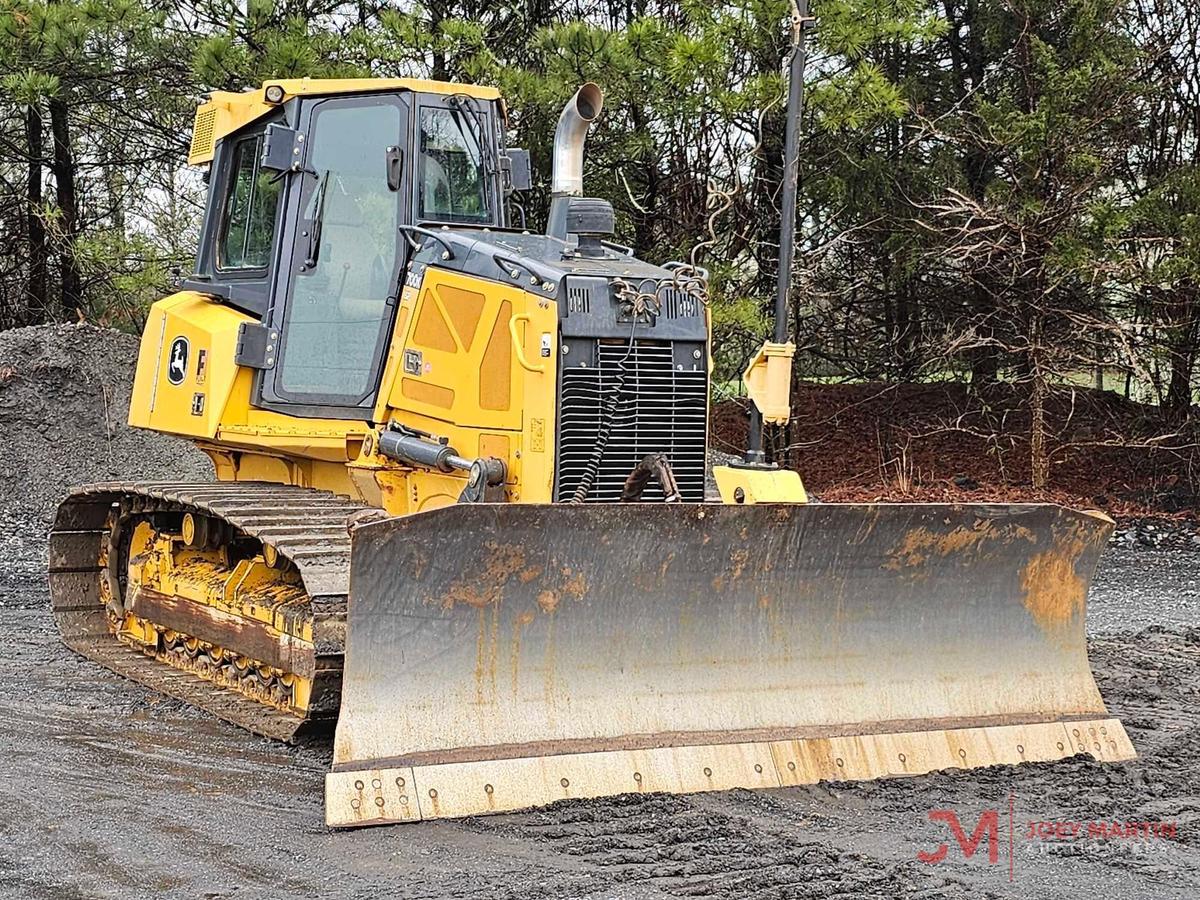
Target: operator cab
310,215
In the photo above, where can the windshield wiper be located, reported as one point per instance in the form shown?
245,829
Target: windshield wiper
314,229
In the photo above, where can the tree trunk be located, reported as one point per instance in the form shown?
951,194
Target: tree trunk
64,181
643,222
1178,404
767,177
1039,460
969,55
440,69
1039,464
1182,354
984,363
36,299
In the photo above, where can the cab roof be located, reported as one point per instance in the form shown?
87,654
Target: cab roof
226,111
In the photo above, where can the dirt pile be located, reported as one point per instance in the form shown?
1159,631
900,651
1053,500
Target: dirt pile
64,403
938,442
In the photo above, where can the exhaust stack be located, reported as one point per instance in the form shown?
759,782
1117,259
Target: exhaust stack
566,180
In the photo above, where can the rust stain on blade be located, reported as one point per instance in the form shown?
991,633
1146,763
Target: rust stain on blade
530,574
737,562
575,584
504,560
486,655
521,621
1051,590
480,657
919,545
1020,531
484,589
548,601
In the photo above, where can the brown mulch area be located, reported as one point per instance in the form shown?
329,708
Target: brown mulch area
938,442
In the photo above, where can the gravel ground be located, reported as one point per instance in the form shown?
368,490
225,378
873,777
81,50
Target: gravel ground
1137,588
110,791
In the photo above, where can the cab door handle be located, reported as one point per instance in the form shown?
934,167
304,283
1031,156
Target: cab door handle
393,161
519,347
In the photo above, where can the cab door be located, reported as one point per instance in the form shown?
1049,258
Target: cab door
334,300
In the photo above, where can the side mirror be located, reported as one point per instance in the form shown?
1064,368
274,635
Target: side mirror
515,170
279,149
394,165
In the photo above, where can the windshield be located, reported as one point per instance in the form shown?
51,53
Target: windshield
453,184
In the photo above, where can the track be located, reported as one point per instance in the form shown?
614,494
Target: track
308,527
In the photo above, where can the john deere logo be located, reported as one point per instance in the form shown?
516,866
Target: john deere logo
177,363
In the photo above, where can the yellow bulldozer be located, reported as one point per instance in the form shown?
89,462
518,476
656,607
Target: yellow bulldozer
460,504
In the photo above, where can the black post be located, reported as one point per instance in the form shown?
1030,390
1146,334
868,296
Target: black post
787,207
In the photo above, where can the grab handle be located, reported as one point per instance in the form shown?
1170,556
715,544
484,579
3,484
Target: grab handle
519,345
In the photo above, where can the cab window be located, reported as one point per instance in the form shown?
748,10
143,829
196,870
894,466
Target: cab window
347,253
454,168
249,228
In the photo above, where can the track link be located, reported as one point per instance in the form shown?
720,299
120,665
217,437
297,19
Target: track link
308,527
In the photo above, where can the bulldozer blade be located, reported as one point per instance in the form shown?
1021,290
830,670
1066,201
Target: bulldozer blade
507,656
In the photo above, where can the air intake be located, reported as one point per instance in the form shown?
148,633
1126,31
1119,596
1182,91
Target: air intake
201,149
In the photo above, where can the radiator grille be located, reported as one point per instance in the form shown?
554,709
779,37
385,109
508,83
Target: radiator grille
663,411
